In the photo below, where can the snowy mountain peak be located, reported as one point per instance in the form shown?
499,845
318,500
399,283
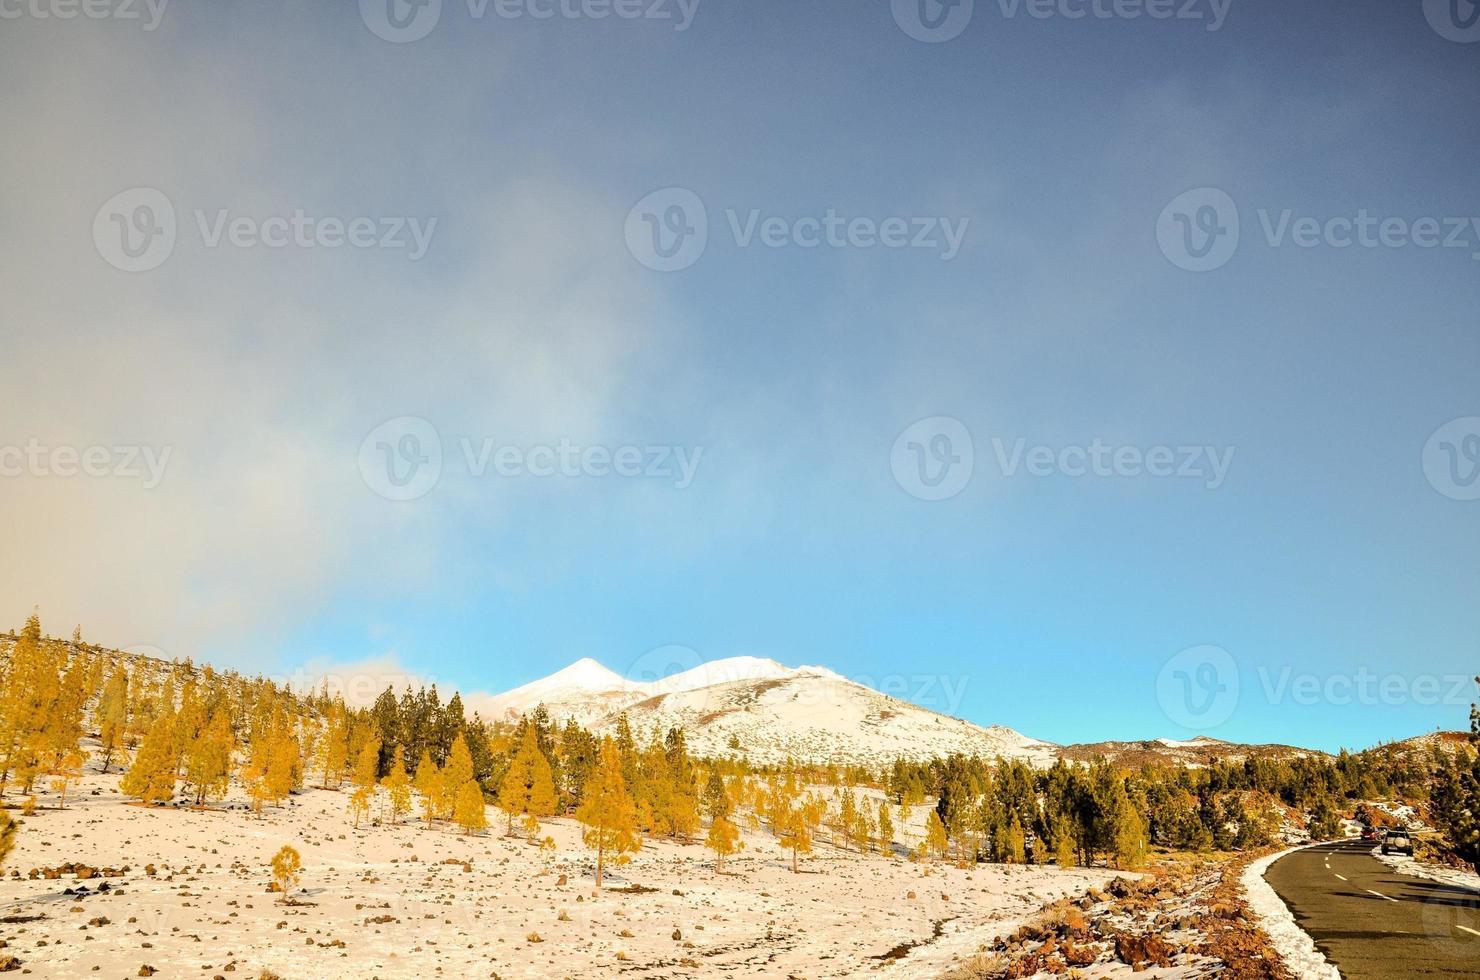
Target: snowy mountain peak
721,672
585,674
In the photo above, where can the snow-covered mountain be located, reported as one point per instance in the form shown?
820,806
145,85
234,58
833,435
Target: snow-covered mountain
769,710
585,691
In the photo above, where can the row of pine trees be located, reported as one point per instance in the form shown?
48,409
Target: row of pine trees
183,733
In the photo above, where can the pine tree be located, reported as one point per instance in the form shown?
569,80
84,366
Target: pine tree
1065,846
398,785
334,750
1014,849
528,789
283,764
936,842
796,834
886,829
723,840
31,686
64,771
208,758
457,771
429,783
469,812
112,715
608,813
287,868
1130,838
359,804
8,829
367,766
151,777
716,799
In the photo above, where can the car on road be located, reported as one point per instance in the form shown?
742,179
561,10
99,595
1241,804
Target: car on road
1397,841
1371,834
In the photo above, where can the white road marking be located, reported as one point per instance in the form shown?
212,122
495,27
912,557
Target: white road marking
1342,877
1472,932
1381,895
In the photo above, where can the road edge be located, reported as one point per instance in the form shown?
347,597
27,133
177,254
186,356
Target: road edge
1414,868
1293,944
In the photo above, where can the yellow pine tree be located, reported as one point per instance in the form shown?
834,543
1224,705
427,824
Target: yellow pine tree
457,771
469,812
398,785
528,788
367,765
282,765
287,868
796,832
607,811
112,716
936,840
429,783
66,770
208,758
31,686
7,835
723,840
334,747
359,804
151,777
886,829
189,721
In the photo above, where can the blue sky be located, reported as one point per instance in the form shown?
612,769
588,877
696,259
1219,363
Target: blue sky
1053,602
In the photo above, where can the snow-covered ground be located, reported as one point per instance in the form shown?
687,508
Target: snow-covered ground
407,900
1296,948
1433,872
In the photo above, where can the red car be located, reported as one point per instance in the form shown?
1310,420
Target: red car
1370,833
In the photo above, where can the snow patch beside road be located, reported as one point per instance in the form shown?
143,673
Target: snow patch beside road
1433,872
1295,947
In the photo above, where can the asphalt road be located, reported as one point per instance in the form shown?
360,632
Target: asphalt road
1377,924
